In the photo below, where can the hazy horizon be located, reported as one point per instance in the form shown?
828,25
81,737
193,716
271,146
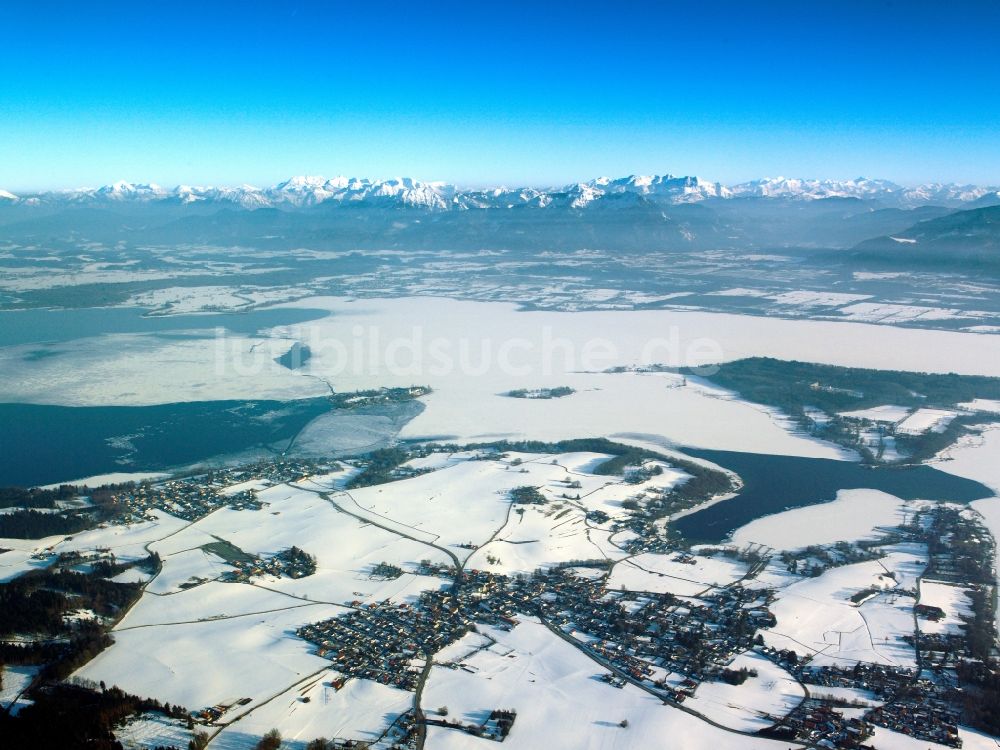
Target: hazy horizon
483,185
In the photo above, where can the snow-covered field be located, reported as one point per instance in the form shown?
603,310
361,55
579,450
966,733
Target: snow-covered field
982,404
926,420
855,514
346,549
889,414
15,680
877,312
976,455
126,542
560,703
817,299
952,599
361,710
153,730
816,616
201,664
119,477
187,300
886,739
668,573
752,706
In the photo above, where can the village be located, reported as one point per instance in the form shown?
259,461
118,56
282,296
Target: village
196,496
666,644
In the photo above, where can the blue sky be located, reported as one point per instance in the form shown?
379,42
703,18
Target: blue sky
507,92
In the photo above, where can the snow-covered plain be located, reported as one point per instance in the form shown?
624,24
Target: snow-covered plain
119,477
815,616
15,680
560,702
361,710
952,599
854,514
888,414
152,730
886,739
752,706
345,548
982,404
666,573
201,664
926,420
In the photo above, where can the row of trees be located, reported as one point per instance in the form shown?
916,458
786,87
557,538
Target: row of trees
34,524
20,497
110,568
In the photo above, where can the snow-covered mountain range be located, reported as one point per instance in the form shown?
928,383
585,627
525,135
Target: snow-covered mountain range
301,192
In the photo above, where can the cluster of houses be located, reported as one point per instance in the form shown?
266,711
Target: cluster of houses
212,714
925,714
815,560
641,635
648,510
821,725
76,559
667,644
938,651
182,498
645,523
377,397
496,727
194,497
645,634
291,563
911,704
384,642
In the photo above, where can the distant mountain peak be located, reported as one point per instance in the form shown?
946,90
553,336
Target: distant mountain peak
304,191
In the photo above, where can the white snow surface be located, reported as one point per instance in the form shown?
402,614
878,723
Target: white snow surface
926,420
816,615
887,414
955,602
535,672
854,514
666,574
747,707
982,404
